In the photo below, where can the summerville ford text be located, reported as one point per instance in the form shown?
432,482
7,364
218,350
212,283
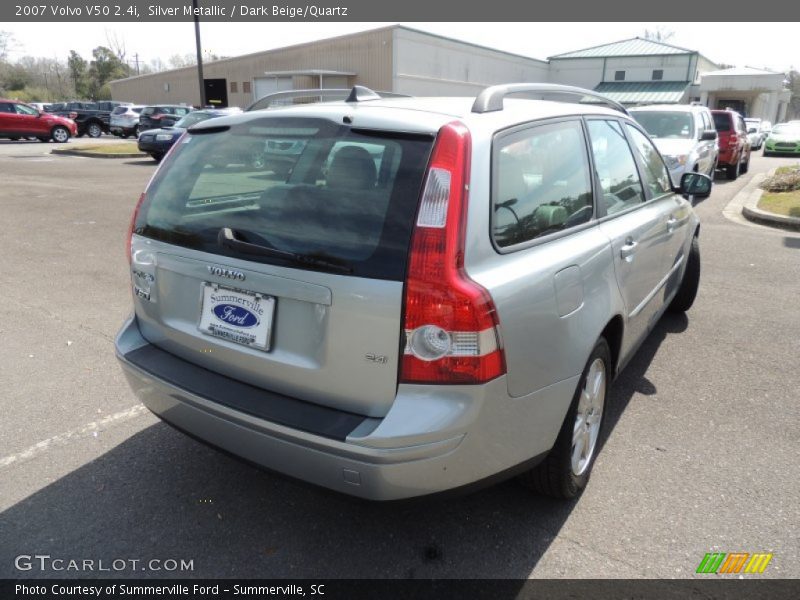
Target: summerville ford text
121,589
243,10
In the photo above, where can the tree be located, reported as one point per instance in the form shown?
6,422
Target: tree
659,34
14,77
105,67
176,61
7,42
77,72
793,79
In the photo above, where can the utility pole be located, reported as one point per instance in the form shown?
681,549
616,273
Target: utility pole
136,60
200,80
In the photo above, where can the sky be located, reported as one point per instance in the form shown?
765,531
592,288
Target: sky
759,45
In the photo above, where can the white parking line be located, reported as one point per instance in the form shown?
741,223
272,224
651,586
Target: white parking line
64,438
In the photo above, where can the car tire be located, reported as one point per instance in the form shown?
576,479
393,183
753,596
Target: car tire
94,130
60,134
732,171
124,136
745,165
765,153
562,474
157,156
690,283
14,139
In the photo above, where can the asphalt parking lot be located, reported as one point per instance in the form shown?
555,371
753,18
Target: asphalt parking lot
701,453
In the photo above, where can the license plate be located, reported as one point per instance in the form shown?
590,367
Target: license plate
237,316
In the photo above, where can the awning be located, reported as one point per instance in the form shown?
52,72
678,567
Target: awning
644,92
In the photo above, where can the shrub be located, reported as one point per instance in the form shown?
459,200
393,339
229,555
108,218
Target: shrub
786,181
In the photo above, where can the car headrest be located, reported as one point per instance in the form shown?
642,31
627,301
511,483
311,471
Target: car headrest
352,168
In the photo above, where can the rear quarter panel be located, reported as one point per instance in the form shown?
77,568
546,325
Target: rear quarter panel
542,344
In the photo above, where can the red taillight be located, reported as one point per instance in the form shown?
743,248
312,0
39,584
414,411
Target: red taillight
132,225
733,140
450,320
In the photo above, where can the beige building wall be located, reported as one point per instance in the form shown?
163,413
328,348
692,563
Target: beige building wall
368,54
427,65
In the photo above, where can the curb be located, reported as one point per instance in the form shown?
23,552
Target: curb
751,194
70,152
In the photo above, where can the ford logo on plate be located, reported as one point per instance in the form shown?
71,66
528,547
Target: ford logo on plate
235,315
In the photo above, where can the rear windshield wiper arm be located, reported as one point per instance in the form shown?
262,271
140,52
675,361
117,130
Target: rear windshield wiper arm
229,238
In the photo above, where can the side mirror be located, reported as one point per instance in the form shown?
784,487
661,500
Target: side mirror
708,136
696,184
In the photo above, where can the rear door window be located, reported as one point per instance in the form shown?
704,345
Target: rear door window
615,166
23,109
655,174
542,183
348,200
722,121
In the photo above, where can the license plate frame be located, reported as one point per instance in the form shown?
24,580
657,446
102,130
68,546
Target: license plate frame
239,316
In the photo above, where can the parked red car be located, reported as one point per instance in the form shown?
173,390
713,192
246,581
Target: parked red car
734,146
18,120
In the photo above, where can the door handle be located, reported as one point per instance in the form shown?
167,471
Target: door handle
672,223
627,251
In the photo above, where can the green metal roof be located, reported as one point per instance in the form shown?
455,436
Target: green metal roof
633,47
645,92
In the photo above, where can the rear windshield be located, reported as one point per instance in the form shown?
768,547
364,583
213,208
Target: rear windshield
120,110
345,198
722,121
666,124
137,110
194,117
148,110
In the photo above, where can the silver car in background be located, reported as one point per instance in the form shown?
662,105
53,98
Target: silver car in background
124,120
757,131
439,292
684,134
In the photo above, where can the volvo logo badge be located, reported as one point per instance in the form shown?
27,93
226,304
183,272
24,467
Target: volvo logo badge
223,272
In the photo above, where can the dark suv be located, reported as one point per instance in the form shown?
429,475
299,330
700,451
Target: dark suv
159,115
734,146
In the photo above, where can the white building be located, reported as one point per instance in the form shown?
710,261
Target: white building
753,92
403,60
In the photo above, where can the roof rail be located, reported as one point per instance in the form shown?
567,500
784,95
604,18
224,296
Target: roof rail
357,93
491,99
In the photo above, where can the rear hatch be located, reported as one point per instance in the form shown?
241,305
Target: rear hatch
287,279
724,126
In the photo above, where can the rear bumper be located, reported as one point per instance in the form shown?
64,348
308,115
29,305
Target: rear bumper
117,129
154,146
727,156
433,439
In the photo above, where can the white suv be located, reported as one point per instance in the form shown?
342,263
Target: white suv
438,292
684,134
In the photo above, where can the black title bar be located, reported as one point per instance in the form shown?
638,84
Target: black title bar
408,10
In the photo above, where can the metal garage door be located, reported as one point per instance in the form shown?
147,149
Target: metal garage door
267,85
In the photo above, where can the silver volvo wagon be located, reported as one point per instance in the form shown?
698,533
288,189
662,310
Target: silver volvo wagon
435,292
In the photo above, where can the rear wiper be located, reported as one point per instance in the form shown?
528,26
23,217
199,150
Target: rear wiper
231,239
